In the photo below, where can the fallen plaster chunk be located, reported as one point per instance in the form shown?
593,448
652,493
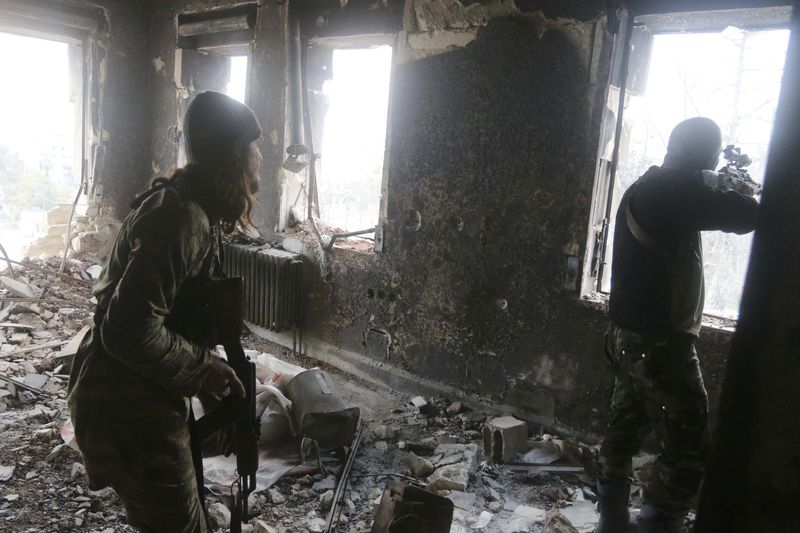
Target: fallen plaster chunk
6,472
523,519
17,288
421,467
275,496
219,515
452,477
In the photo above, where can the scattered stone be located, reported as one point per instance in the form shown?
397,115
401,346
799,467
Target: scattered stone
11,497
6,472
329,483
451,477
17,288
275,496
315,524
382,446
219,515
420,467
326,500
78,470
523,519
455,408
495,507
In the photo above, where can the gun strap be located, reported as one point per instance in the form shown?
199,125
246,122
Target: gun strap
641,235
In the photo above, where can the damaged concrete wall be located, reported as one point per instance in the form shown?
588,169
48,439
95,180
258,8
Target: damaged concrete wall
122,133
494,124
490,173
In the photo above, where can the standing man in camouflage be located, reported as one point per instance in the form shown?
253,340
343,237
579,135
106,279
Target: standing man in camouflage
655,310
133,377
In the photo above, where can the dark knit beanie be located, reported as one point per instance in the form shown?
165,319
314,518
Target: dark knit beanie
215,124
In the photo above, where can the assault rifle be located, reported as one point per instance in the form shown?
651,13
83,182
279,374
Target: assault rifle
734,174
209,311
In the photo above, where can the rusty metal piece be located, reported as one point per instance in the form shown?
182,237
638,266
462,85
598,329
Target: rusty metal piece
406,509
341,487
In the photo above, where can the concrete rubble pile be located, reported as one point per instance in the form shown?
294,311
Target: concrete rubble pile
499,477
43,315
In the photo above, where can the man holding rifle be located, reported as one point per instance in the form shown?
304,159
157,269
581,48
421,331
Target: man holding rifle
655,310
133,377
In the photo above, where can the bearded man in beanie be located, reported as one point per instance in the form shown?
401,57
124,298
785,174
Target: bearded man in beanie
655,310
133,377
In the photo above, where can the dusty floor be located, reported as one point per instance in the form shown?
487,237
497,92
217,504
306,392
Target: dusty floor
43,486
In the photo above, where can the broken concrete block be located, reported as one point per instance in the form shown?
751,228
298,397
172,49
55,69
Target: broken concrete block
219,516
455,453
455,408
451,477
504,438
275,496
419,466
17,288
329,483
419,402
36,381
326,500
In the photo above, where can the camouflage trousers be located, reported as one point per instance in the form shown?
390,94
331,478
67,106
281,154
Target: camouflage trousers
658,386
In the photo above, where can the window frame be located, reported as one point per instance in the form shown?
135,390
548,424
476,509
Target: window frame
75,27
635,33
352,42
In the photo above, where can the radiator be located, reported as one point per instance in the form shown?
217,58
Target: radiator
273,280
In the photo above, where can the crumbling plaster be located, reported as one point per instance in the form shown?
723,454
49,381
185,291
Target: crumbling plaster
492,146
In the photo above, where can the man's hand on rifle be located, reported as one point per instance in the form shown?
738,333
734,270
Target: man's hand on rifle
220,376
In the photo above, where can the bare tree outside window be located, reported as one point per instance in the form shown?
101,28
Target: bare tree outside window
732,77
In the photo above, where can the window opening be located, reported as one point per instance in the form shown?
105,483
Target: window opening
354,137
40,142
237,84
732,76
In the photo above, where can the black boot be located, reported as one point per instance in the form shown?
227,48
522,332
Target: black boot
652,520
612,503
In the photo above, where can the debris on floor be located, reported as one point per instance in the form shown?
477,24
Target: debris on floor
478,471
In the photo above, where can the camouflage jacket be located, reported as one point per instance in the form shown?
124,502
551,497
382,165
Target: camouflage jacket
133,377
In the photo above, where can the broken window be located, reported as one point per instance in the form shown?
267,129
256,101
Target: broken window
40,141
350,111
728,67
